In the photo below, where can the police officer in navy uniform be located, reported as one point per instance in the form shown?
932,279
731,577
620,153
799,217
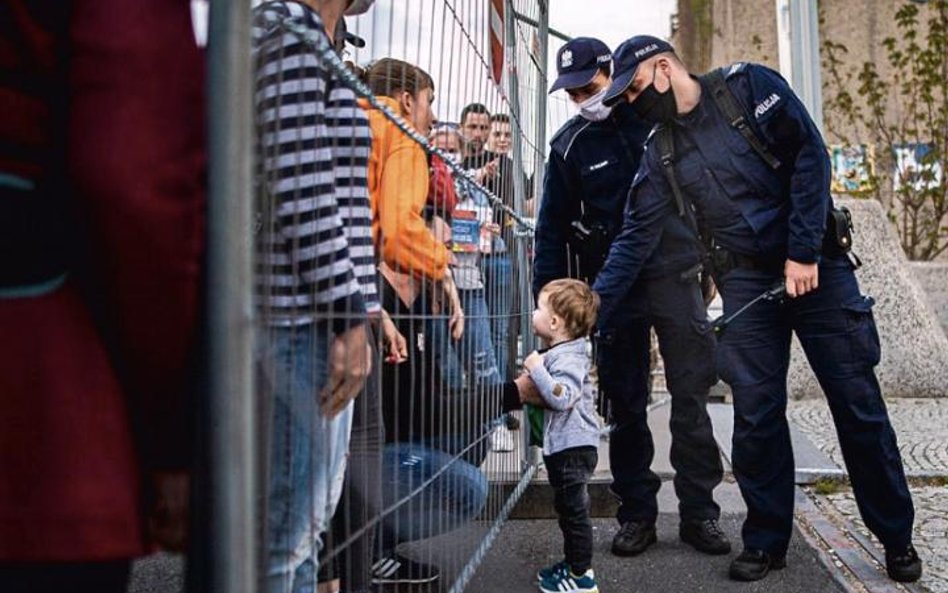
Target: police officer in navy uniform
592,161
756,187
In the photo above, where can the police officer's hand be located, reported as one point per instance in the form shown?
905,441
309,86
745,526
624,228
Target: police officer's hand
801,278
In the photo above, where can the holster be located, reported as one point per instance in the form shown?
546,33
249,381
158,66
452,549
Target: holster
838,239
591,241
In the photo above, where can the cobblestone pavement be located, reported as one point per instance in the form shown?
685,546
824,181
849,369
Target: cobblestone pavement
921,426
931,530
922,430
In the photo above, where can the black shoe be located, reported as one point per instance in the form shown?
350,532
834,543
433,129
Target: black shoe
904,566
705,536
395,570
633,538
753,565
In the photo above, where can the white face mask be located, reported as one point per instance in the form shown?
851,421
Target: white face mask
358,7
593,109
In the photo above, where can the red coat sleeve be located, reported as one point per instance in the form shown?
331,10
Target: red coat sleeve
137,164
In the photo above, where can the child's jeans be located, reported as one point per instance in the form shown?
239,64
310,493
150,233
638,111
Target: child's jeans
569,472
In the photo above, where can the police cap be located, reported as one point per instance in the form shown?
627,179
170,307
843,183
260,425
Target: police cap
578,61
628,56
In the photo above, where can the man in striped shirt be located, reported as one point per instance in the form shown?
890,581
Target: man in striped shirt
316,275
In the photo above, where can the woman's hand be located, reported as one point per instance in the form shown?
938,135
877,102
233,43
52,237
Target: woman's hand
456,321
449,291
396,346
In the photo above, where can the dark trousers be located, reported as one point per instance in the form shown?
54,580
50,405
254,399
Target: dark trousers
676,310
361,500
56,577
569,472
838,334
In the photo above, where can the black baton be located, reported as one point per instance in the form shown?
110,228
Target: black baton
776,293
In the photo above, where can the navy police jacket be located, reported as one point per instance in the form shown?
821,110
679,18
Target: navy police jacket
588,177
748,207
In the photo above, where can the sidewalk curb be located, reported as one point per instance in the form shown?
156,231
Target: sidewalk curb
847,555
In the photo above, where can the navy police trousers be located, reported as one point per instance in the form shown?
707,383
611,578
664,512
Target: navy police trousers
676,310
836,329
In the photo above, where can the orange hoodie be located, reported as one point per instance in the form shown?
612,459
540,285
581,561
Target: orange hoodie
398,189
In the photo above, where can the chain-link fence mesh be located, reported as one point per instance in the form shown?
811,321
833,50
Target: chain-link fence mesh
398,157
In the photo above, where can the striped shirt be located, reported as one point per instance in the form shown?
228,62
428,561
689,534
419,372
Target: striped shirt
315,254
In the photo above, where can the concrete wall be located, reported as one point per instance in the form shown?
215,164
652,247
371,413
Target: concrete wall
933,278
744,31
914,346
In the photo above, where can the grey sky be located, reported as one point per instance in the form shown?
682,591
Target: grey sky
612,20
449,39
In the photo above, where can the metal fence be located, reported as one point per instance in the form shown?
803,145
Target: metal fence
371,237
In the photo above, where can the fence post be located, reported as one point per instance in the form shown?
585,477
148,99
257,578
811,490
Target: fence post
543,36
228,541
521,278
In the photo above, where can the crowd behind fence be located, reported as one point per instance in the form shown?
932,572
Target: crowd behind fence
396,170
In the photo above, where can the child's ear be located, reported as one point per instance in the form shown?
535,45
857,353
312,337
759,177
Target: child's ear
555,321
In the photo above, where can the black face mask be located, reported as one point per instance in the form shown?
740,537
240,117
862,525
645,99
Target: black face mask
655,107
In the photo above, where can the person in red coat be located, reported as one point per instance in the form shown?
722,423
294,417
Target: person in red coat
102,197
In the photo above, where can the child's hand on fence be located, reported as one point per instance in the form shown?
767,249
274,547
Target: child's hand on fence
533,360
350,362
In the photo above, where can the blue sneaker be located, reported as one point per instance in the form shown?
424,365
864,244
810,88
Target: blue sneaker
565,581
549,571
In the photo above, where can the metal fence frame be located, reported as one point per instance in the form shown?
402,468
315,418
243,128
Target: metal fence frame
226,552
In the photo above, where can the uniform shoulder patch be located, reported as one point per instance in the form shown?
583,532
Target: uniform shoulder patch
734,68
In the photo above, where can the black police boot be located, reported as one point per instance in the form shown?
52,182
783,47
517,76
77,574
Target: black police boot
633,538
753,565
904,565
705,536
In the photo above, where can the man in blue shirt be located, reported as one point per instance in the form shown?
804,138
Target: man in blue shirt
755,184
592,161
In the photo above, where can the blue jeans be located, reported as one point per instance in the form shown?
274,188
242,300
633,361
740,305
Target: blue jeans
498,292
475,350
307,454
448,502
444,352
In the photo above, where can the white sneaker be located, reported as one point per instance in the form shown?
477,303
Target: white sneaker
501,440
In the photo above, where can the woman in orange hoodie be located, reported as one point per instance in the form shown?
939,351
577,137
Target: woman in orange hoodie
398,187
